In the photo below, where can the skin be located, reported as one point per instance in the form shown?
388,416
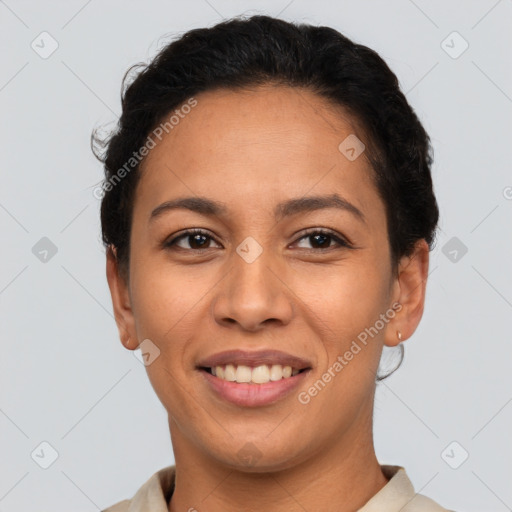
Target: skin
252,149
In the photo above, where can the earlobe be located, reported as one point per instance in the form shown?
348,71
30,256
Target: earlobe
409,292
121,301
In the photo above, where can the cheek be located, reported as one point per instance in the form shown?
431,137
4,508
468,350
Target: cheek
347,298
165,313
165,298
350,306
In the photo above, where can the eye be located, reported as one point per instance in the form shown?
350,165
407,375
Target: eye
322,239
196,239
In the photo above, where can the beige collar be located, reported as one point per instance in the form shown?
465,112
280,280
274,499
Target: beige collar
396,496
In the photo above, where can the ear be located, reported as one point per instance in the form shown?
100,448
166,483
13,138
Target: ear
121,301
408,290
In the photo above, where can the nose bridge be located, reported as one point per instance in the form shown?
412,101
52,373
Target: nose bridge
251,294
251,271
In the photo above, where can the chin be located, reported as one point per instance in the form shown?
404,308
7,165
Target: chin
260,455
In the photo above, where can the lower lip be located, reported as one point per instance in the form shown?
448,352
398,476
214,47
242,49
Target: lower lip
253,395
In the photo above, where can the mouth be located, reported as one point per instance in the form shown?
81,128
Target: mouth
259,367
253,379
243,374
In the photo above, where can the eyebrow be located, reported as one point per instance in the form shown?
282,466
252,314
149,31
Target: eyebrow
288,208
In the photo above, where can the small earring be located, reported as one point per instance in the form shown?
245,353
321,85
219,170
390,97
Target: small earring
399,335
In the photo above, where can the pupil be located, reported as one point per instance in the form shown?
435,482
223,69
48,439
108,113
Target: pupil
324,237
196,239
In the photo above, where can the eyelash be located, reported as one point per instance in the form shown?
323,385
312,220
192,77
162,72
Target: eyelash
342,243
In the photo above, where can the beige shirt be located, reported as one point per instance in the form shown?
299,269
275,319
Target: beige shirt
396,496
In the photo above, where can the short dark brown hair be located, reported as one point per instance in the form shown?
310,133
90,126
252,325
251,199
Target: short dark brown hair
262,50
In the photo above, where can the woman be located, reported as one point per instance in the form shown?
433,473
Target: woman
268,214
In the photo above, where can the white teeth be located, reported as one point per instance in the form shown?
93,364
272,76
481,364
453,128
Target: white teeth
276,372
257,375
260,374
243,374
230,373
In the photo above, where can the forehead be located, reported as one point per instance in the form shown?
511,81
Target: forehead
258,144
276,116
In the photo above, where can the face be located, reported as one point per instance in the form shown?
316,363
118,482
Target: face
286,280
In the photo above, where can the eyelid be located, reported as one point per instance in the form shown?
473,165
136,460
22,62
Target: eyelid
340,240
173,239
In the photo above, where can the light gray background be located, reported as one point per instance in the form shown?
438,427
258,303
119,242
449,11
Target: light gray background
65,377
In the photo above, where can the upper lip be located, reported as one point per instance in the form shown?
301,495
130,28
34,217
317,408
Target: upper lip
254,358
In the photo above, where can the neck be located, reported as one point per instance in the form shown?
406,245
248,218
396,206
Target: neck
341,478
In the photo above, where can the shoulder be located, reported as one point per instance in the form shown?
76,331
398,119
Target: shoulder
154,494
421,503
399,495
122,506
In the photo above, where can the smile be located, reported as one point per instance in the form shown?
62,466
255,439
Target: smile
253,378
253,375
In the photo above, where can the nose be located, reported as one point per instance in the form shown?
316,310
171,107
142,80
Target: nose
253,295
